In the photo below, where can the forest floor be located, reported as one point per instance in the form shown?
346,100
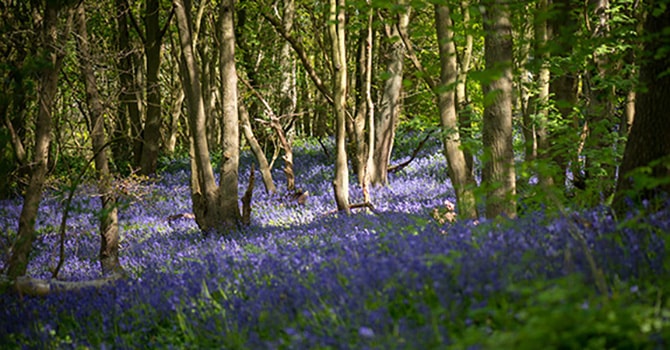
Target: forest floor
302,276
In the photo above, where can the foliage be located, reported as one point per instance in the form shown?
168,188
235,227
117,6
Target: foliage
298,278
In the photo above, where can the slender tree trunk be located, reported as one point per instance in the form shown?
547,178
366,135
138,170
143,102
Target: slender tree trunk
389,107
465,58
152,123
364,120
460,177
564,87
128,124
230,134
498,175
600,113
264,166
48,86
541,103
336,29
109,222
649,139
288,93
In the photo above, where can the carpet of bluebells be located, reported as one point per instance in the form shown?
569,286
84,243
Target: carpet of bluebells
303,277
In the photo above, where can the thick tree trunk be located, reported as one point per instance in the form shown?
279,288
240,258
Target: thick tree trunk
48,86
109,222
204,192
336,29
498,175
230,134
460,177
389,107
649,138
152,123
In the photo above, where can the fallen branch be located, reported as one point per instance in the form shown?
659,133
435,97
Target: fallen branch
416,151
38,287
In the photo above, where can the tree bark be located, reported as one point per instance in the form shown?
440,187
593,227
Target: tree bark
460,177
152,123
365,108
128,122
389,107
465,58
109,222
287,92
204,192
336,29
564,87
230,134
48,86
498,174
541,103
649,139
256,149
600,111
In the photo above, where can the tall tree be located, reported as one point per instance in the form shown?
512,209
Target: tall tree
212,211
564,87
389,106
649,139
152,123
50,47
230,134
459,173
287,93
498,176
336,28
127,128
109,221
364,116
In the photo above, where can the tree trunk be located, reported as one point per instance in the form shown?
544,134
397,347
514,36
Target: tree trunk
287,93
563,86
152,124
263,165
460,177
649,139
230,134
128,124
48,86
600,112
541,103
204,192
365,109
389,107
498,175
109,222
337,34
465,58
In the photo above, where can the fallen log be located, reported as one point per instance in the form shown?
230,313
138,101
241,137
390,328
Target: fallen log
24,285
